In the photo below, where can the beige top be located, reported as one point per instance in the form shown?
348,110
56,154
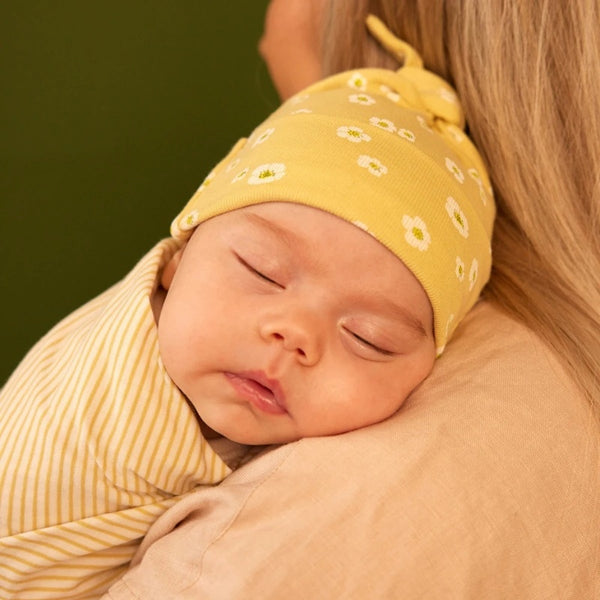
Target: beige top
486,485
95,443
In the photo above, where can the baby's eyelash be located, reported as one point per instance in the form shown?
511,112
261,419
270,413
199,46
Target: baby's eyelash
256,272
370,344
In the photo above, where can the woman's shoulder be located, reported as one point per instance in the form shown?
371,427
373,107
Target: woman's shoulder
485,484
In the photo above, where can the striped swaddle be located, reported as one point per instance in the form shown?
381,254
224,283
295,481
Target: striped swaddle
95,443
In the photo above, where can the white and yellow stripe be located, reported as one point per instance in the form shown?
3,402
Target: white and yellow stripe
95,443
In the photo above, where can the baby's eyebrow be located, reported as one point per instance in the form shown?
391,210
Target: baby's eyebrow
288,237
403,314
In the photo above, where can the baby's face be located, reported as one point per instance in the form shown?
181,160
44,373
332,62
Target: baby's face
283,321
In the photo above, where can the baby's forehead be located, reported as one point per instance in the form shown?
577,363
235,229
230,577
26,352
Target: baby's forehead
297,231
292,223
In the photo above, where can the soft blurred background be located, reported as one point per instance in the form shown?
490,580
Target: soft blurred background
111,114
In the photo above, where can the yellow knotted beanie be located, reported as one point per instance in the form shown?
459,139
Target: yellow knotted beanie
384,150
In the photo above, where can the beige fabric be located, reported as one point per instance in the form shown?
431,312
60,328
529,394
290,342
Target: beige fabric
485,486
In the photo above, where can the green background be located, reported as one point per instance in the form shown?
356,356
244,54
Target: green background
111,115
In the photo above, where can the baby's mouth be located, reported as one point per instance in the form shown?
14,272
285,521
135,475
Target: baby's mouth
263,393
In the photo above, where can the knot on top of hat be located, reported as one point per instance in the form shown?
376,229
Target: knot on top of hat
419,88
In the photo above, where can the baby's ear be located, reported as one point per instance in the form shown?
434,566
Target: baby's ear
169,271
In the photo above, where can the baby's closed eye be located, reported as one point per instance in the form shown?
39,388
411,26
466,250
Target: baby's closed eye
257,272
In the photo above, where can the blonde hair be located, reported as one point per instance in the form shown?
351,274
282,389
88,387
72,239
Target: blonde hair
527,74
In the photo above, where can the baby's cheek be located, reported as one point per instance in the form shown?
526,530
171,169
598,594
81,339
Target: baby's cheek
169,344
393,391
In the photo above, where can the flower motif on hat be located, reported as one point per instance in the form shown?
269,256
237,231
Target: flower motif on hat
456,133
416,232
358,81
264,136
189,221
385,124
361,225
473,273
240,175
364,99
301,111
482,195
460,269
457,216
390,94
353,134
267,173
423,123
407,134
448,95
207,181
233,164
374,166
449,322
474,174
455,170
299,98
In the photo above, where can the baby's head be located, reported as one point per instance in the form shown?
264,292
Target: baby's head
328,258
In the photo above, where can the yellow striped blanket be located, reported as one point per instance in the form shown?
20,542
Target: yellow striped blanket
95,443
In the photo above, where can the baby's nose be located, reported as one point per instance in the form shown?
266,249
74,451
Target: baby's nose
298,331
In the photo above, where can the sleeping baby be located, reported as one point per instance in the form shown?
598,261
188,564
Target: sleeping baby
307,288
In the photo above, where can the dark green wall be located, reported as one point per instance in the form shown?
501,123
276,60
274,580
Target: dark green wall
111,114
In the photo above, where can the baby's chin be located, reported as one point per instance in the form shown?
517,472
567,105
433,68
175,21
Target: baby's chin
245,435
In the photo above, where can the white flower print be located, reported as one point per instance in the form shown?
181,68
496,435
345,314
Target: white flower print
473,273
457,216
482,195
450,321
389,93
456,133
207,181
353,134
301,111
361,225
357,81
423,123
189,221
267,173
264,136
441,348
361,99
240,175
416,232
460,269
383,124
299,98
474,174
447,95
373,165
232,165
455,170
407,134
